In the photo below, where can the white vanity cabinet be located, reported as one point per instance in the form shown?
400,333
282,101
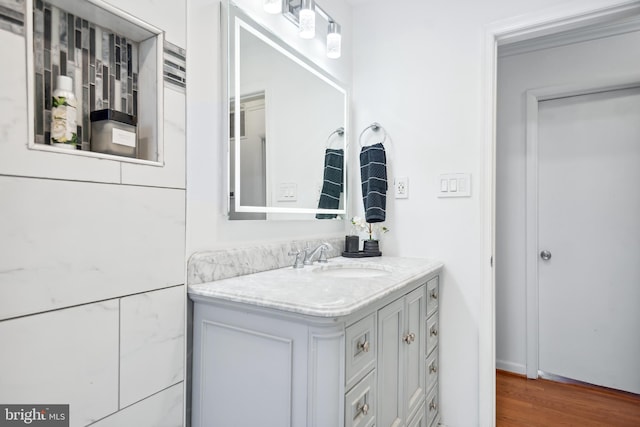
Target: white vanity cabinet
432,367
254,365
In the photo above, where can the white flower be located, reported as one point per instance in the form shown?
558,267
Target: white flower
59,130
59,112
359,223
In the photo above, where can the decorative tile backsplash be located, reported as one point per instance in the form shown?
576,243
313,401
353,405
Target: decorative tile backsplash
102,64
175,65
12,16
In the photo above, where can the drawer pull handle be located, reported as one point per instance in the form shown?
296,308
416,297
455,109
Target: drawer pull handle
363,346
434,294
434,332
433,406
362,408
433,368
409,338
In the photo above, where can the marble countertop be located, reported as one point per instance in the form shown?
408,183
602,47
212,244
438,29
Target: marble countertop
310,292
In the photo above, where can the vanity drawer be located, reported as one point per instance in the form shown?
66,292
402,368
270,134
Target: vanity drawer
360,403
360,339
432,370
433,291
432,332
432,408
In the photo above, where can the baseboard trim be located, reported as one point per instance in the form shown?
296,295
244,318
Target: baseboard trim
512,367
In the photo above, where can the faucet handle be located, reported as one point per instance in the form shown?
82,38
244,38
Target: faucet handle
298,263
322,258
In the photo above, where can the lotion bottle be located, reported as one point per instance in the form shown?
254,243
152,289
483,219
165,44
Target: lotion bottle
63,114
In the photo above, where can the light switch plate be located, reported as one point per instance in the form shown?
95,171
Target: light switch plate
454,185
287,192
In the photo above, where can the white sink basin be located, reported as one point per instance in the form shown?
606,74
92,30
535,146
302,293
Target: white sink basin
362,270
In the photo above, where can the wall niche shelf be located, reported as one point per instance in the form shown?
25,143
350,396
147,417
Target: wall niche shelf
115,61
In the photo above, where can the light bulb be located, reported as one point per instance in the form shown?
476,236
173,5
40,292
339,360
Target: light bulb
272,6
334,40
307,20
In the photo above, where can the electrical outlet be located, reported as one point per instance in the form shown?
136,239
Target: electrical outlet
401,186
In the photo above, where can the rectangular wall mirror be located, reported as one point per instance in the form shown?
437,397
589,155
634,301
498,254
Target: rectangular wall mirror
287,129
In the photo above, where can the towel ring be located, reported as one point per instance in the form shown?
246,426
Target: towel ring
339,131
375,126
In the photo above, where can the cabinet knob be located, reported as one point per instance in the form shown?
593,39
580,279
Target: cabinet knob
434,332
363,408
433,406
434,294
433,368
364,346
409,338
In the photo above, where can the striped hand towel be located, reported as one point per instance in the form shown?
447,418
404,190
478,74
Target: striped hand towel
373,172
332,184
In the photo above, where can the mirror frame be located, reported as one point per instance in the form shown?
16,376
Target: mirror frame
234,20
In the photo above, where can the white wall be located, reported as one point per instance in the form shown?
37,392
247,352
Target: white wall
418,71
208,227
585,62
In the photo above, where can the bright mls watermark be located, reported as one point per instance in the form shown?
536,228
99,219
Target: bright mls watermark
34,415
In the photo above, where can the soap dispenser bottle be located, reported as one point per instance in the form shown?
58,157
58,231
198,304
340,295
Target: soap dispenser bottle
63,114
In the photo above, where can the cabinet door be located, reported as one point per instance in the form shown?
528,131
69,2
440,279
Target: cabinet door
391,329
414,349
420,419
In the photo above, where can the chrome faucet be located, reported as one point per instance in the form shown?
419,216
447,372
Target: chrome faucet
305,256
309,254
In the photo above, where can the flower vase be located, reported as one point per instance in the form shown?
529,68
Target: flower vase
371,247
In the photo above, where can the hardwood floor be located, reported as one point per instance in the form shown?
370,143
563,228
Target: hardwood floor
544,403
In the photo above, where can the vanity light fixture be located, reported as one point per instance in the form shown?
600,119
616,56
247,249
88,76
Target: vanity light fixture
334,40
307,19
272,6
303,14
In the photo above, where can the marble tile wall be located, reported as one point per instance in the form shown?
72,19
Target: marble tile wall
74,242
102,64
221,264
113,361
151,345
91,294
163,409
67,356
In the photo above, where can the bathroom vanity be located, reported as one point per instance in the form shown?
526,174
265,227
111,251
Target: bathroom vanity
348,343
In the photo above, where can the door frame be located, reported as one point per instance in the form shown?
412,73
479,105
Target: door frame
534,97
563,17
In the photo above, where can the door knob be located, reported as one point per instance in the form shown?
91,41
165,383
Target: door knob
545,255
